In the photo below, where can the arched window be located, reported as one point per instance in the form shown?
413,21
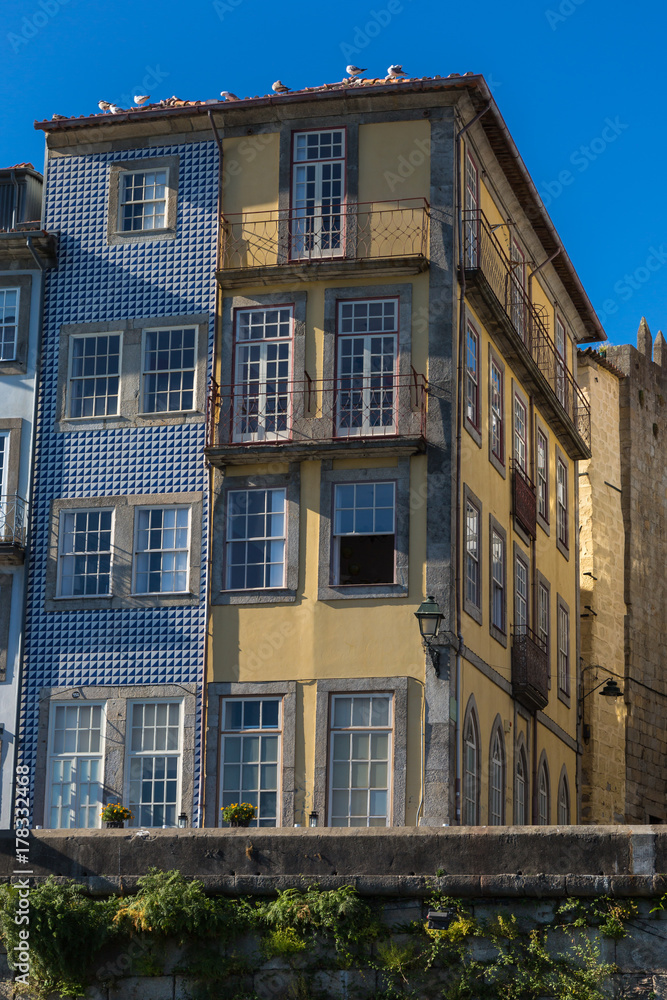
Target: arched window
497,777
521,788
471,768
543,793
563,799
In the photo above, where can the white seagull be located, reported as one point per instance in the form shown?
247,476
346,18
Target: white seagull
228,96
354,70
142,100
114,109
395,72
103,105
279,88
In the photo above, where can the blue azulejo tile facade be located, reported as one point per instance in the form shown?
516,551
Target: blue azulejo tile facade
88,644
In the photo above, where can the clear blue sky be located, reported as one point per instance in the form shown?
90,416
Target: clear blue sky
561,72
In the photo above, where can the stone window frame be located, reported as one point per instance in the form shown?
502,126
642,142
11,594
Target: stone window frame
541,581
520,750
519,555
500,465
131,373
564,694
117,700
498,634
122,570
475,611
116,235
218,690
329,478
289,481
541,428
563,546
473,429
564,781
398,687
18,365
472,714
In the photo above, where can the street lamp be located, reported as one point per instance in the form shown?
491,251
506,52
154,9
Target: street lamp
182,821
312,819
429,616
609,690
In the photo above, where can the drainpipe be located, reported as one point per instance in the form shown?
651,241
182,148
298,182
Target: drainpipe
459,424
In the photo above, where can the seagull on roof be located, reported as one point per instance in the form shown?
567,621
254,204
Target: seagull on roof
142,100
354,70
279,88
103,105
114,109
395,72
228,96
58,118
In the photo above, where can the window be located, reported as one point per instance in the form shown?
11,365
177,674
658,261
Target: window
472,376
563,649
154,763
543,614
520,434
497,779
318,193
251,745
262,365
84,558
470,804
473,576
497,409
498,582
542,477
360,741
162,544
543,794
472,213
364,533
94,377
256,534
563,800
521,788
367,351
169,370
521,606
561,363
75,766
9,322
143,200
561,503
518,289
4,462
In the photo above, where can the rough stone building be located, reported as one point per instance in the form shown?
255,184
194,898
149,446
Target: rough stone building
623,775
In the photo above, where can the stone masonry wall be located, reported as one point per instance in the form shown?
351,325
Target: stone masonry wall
643,432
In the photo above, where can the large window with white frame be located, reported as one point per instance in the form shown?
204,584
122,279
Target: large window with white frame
169,368
94,375
364,533
76,766
521,594
521,811
4,462
154,763
520,434
143,200
472,376
318,194
497,412
497,779
563,649
473,572
543,616
518,288
561,504
262,406
9,322
251,743
360,759
498,600
366,367
561,363
161,550
542,468
85,553
471,770
543,794
472,212
256,539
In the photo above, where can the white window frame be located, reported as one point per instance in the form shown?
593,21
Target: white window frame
472,377
561,503
369,730
3,325
136,552
5,438
542,473
542,795
521,594
498,583
74,512
563,649
497,421
543,615
259,732
267,540
521,782
473,555
361,396
337,536
471,768
82,378
561,362
131,755
520,433
122,177
472,208
256,407
75,756
146,373
517,287
308,232
497,780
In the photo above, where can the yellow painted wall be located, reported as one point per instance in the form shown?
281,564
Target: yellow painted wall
394,160
250,173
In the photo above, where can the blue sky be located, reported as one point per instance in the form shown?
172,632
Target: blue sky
579,83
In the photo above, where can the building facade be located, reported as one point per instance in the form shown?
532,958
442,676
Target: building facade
394,415
111,699
26,252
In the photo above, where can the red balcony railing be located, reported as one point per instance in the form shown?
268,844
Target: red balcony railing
318,411
484,254
364,231
524,497
530,668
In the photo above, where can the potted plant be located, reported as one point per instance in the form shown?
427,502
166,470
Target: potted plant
238,814
114,815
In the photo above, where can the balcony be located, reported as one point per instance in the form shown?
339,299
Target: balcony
495,290
13,529
349,416
530,669
524,499
386,237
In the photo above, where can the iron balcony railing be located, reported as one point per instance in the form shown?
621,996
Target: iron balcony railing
524,499
530,668
364,231
483,253
13,520
316,411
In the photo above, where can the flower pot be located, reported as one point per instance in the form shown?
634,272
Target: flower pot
239,822
115,824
